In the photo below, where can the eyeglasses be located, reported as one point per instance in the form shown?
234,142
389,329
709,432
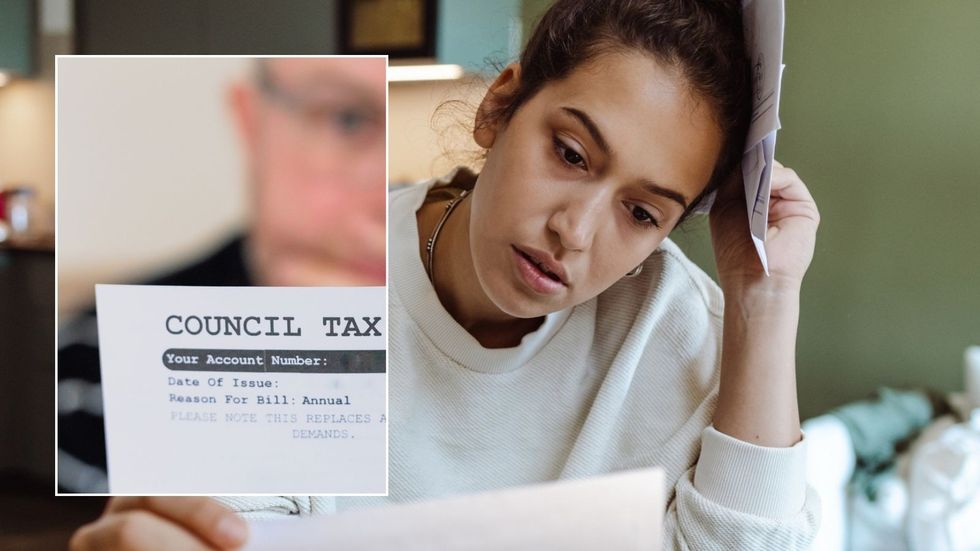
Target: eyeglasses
349,117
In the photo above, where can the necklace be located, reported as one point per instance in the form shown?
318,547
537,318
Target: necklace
430,245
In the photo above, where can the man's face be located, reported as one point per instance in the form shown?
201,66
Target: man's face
315,135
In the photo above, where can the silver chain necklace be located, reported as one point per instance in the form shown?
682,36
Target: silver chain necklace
430,245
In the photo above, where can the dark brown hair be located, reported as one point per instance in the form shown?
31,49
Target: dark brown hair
701,38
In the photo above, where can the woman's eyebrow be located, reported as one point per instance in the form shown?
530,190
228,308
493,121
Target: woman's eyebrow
664,192
591,127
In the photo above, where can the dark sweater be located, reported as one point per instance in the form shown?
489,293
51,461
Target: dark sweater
81,431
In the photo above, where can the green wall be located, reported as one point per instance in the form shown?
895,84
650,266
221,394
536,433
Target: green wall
881,119
477,35
17,28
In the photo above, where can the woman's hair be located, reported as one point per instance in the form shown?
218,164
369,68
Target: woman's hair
701,38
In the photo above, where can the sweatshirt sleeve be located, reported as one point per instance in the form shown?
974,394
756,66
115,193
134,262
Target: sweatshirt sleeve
743,496
272,507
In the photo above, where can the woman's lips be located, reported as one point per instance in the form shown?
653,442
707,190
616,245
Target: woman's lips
533,276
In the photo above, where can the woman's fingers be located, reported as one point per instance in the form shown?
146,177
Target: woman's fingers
786,184
789,196
204,517
134,530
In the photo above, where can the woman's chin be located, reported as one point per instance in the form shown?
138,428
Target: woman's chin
519,305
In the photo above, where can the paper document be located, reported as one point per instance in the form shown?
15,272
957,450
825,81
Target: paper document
227,390
764,25
621,511
764,22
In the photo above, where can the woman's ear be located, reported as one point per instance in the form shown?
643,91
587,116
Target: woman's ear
497,96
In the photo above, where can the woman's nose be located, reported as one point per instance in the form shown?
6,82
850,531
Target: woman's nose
576,222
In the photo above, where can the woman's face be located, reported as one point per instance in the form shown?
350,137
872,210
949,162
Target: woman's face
585,180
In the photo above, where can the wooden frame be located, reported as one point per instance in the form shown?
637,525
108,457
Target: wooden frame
399,28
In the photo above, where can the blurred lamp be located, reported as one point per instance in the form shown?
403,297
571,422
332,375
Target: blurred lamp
18,32
402,73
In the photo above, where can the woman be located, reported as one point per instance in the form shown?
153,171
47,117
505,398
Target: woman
543,327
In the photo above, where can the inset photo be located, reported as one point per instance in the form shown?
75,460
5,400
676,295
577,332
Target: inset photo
221,271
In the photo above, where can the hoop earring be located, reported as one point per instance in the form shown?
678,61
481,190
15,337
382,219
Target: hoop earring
635,271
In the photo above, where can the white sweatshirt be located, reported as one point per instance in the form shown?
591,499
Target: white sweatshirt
626,380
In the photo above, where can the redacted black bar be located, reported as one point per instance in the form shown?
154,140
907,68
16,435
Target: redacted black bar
275,361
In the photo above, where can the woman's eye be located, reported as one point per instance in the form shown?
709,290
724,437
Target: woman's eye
642,217
568,155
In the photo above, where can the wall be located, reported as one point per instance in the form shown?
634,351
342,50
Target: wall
18,20
27,136
881,119
149,167
429,127
478,34
27,110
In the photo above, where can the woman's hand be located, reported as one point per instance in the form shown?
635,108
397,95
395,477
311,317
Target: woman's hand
790,239
164,523
757,393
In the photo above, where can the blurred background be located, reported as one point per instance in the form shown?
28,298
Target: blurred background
148,144
880,118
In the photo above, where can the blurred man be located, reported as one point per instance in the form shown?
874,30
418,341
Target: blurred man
313,135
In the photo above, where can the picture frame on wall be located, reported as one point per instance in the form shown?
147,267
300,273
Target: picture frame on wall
398,28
